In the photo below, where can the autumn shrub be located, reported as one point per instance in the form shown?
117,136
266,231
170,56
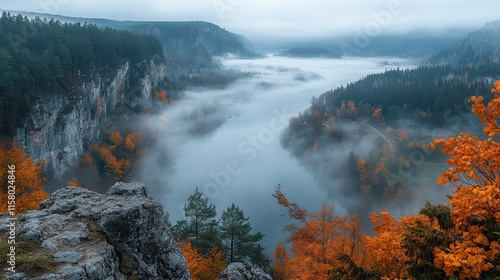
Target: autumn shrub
26,176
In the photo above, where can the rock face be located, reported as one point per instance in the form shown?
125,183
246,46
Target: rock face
239,271
58,128
119,235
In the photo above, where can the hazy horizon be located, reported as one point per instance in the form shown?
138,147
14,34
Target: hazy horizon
290,21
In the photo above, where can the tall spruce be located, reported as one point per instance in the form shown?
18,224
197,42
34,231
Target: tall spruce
200,225
239,244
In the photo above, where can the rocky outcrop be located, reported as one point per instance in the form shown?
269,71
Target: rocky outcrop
239,271
59,127
119,235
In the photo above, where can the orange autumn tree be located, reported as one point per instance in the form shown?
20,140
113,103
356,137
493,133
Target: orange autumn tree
213,264
475,170
386,251
279,270
28,178
385,247
325,246
202,267
115,169
133,140
193,258
115,138
74,183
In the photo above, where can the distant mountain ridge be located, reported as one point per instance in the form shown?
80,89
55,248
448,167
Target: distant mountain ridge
191,44
310,53
481,46
194,41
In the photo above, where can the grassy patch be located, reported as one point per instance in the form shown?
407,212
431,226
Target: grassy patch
31,258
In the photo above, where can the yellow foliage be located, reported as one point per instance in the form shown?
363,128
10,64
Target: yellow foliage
475,167
74,182
129,144
377,114
116,138
26,177
203,267
115,169
162,96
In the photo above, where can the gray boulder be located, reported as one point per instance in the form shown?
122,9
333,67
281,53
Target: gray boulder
239,271
119,235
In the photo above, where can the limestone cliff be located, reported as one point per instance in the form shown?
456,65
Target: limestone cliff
59,127
119,235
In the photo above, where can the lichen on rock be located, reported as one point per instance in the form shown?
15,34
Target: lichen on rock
118,235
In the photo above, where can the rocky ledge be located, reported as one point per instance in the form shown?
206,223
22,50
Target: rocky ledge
119,235
239,271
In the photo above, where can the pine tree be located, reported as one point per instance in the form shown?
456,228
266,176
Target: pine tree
240,245
201,227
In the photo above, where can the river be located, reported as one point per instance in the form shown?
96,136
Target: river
241,160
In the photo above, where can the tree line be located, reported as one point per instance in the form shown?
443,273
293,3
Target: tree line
456,240
41,57
397,112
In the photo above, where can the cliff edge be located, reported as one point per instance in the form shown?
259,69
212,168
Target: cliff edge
118,235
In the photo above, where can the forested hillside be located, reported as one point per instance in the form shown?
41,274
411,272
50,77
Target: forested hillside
456,240
40,58
480,46
367,141
188,45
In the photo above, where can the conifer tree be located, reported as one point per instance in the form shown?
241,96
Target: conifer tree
239,244
200,225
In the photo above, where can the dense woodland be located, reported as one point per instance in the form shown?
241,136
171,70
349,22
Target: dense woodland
40,57
369,140
456,240
366,134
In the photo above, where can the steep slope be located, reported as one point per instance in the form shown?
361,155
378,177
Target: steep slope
480,46
60,127
367,142
119,235
192,42
188,44
61,85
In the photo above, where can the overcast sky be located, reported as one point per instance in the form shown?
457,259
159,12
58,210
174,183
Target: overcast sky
283,18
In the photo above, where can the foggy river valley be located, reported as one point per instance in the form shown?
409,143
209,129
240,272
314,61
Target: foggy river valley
241,160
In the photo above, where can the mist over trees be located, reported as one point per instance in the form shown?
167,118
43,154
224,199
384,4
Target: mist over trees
367,141
459,239
41,57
